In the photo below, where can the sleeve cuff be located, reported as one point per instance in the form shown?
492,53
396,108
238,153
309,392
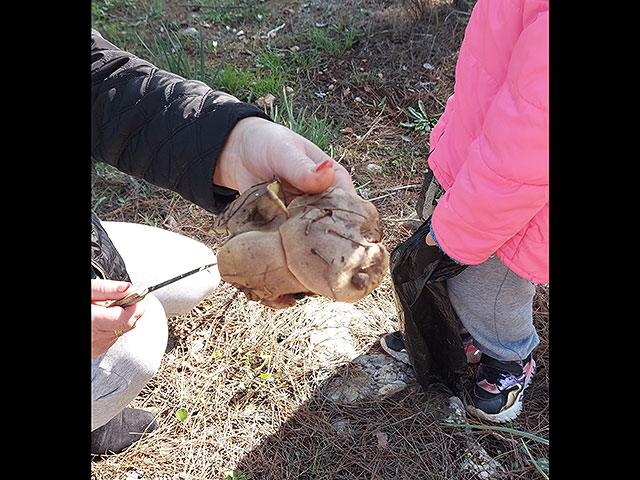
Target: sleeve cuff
433,235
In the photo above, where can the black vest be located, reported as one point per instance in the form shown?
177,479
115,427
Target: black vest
106,262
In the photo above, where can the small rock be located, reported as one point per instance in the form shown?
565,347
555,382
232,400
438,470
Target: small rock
382,438
343,426
374,168
391,388
332,341
373,376
189,31
480,462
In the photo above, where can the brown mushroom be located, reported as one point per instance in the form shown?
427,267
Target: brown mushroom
325,244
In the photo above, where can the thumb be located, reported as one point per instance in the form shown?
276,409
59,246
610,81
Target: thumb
312,172
311,177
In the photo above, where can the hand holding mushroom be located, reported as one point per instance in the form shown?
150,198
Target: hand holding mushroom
258,150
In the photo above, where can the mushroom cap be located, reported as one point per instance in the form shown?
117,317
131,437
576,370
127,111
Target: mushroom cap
261,207
325,244
332,242
254,262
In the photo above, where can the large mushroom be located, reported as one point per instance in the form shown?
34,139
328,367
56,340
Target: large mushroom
281,249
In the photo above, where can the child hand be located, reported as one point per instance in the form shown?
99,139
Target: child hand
429,240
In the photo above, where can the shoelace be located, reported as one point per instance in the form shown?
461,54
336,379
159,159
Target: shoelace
498,373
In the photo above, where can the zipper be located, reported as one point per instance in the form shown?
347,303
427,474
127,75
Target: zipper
99,271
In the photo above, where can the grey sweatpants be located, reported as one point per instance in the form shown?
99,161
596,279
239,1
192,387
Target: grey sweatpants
151,255
496,306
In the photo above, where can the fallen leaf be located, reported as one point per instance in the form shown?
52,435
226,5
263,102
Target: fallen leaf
182,414
346,130
266,101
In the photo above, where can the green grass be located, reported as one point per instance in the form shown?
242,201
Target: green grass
316,128
249,83
234,80
273,70
333,40
169,53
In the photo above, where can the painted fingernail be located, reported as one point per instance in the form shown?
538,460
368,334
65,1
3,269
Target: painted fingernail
125,288
323,165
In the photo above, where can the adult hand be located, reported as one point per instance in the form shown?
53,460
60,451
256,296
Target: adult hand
258,150
109,323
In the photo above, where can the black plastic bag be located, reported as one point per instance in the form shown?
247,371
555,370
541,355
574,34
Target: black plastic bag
428,322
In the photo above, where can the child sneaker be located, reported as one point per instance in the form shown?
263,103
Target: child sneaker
393,344
497,393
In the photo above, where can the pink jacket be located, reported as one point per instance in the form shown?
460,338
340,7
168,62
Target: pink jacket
490,148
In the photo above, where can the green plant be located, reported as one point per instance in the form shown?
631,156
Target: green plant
541,464
169,54
271,59
333,40
311,126
237,475
182,414
233,80
419,119
498,428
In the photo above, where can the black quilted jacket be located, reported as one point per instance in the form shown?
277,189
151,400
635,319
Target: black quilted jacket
159,126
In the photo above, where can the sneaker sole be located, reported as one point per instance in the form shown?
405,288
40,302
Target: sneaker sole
400,356
506,415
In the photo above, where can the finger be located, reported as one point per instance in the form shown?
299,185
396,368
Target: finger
110,319
341,177
429,240
305,174
315,178
108,289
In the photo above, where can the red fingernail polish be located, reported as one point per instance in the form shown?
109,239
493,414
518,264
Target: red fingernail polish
323,165
126,288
